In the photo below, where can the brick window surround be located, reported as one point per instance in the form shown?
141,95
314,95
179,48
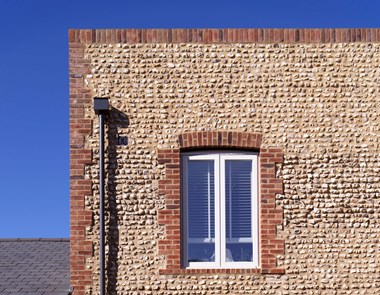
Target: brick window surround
269,186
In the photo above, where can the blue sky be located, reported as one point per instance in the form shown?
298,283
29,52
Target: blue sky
34,118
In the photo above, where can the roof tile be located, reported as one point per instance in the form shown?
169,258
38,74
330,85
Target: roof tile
34,266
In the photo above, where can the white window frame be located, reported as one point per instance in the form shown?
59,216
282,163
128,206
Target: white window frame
219,158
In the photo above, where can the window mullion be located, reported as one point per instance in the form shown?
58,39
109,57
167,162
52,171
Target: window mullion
230,199
218,212
222,210
209,201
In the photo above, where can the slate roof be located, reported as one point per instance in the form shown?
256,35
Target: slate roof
34,266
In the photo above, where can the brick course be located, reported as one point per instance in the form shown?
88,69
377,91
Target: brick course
209,36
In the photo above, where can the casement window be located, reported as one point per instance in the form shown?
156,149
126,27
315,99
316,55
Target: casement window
219,210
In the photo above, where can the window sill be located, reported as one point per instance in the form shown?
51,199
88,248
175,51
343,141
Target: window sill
185,271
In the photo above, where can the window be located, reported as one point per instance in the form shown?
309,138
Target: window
219,210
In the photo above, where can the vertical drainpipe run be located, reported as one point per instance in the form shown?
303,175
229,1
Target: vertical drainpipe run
101,109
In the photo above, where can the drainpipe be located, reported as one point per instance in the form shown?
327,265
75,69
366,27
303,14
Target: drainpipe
101,109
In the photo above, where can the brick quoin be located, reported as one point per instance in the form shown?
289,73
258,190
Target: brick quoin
269,186
80,249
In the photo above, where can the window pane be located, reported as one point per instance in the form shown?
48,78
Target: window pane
238,210
201,210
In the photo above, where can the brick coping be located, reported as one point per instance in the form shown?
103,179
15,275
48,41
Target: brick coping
225,35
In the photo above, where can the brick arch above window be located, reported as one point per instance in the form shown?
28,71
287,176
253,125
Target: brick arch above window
270,216
220,139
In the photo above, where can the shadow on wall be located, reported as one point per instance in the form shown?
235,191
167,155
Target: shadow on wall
116,120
